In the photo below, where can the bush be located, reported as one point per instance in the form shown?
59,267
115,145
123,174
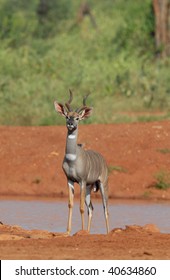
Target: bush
162,180
115,62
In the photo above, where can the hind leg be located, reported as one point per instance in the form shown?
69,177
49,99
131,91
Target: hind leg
82,201
104,194
89,206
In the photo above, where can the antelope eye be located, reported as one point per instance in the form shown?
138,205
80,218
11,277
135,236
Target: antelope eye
77,119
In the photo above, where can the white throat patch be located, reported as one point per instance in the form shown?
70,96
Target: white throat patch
72,136
71,157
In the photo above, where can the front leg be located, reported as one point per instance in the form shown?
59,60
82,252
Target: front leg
70,204
89,206
82,201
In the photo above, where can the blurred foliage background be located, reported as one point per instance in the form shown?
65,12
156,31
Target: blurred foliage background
47,47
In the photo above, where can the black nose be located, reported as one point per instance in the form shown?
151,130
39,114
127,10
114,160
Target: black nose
70,124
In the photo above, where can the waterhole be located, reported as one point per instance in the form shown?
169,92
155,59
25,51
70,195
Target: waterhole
52,215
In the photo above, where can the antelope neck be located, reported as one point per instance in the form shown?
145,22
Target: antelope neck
71,145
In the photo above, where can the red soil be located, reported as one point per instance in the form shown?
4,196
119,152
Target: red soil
30,164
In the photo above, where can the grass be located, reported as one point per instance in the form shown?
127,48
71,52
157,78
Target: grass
162,180
146,194
164,151
116,63
117,168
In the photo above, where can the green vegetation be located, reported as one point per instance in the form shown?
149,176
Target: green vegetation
116,168
164,151
146,194
162,180
42,57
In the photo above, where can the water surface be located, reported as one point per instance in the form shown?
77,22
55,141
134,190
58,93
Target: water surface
52,215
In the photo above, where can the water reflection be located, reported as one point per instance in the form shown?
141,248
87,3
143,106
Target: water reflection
52,215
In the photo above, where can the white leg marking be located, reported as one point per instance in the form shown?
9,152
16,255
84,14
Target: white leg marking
71,184
89,206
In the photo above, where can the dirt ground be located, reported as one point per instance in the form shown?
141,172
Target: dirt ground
30,165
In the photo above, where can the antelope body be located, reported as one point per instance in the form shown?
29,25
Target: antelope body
85,167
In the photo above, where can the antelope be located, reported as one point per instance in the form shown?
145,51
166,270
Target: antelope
85,167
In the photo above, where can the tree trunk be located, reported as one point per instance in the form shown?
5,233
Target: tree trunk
85,10
162,26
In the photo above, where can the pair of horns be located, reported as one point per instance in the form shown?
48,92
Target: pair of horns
67,104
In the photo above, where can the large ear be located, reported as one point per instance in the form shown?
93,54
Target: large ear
85,113
60,108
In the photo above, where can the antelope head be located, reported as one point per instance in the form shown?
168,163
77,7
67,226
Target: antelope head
73,116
